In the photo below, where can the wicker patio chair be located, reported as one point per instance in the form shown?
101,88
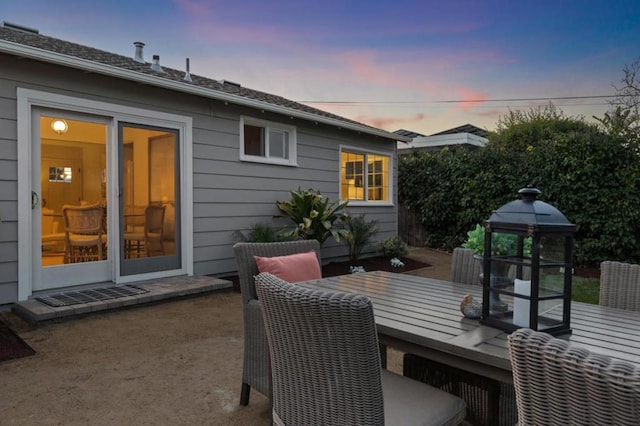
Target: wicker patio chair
326,364
620,285
465,268
563,384
256,370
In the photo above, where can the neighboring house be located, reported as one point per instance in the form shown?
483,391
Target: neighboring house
468,136
82,126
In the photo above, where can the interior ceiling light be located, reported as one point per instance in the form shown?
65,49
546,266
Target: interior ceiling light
59,126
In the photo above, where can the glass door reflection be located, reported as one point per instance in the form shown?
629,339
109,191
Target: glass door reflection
148,199
73,174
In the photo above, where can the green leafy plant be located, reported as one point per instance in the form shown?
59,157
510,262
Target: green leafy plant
360,234
392,247
502,244
259,233
315,216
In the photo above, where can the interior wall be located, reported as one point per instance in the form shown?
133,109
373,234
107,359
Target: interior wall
89,158
54,195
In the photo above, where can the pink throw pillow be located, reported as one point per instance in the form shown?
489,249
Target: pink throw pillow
292,268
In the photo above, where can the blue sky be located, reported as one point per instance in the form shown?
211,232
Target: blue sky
420,65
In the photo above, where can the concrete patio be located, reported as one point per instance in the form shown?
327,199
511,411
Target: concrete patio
176,362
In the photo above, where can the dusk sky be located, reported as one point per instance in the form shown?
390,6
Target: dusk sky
419,65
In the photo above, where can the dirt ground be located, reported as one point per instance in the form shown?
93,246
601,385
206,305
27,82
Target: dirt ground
177,363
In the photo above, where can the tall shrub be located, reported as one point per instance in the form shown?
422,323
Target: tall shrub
591,176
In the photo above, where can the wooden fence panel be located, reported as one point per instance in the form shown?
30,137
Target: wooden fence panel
410,228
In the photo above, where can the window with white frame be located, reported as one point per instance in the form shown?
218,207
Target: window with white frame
267,142
364,176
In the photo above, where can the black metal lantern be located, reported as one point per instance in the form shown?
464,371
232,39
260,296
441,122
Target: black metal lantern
528,266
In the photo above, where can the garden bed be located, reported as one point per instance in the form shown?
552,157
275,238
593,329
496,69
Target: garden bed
375,263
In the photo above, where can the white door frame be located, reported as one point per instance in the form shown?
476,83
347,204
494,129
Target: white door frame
26,100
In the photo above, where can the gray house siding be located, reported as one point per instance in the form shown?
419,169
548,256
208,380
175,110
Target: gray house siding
228,195
231,196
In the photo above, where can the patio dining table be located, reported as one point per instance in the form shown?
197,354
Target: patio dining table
422,316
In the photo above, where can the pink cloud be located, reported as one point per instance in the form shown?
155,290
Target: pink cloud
391,73
369,67
470,99
389,122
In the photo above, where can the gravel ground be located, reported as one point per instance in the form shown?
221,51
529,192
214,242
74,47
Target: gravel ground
173,363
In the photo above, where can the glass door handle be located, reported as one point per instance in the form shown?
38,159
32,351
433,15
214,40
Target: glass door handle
35,200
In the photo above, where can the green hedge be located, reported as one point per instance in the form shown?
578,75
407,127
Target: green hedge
591,177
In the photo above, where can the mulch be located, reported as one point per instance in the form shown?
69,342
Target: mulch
376,263
11,345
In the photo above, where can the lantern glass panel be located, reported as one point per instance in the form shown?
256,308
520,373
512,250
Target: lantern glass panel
503,244
550,301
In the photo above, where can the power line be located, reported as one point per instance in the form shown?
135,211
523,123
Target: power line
553,98
512,105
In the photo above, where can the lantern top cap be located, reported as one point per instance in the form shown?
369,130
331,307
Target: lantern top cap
529,211
529,193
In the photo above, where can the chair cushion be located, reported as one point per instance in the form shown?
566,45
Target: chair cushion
59,236
82,239
409,402
292,268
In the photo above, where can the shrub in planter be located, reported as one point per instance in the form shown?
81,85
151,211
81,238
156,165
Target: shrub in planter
392,247
360,233
260,233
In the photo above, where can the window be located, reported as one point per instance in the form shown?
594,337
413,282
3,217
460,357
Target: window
364,176
60,174
267,142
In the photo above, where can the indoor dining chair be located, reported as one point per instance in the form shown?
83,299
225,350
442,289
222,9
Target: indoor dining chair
256,368
149,239
84,235
326,364
559,383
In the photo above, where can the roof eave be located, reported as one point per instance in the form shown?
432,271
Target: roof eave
112,71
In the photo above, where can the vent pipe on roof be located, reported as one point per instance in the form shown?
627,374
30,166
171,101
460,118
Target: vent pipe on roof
155,65
17,27
230,83
187,76
139,57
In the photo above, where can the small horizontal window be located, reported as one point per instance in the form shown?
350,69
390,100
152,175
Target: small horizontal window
267,142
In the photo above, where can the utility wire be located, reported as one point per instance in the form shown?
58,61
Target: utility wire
553,98
511,105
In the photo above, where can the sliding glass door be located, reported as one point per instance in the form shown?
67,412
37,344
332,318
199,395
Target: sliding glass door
149,199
